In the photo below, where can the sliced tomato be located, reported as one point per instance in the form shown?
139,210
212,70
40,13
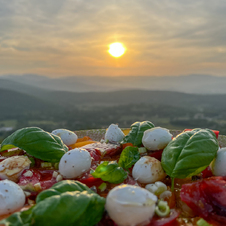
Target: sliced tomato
165,221
207,172
106,149
215,131
156,154
207,198
44,177
90,181
95,154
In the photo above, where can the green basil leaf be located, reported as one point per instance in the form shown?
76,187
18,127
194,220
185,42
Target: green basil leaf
189,153
68,203
129,156
61,187
136,133
111,172
69,208
18,219
36,142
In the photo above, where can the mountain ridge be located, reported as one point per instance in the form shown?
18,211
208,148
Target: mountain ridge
199,84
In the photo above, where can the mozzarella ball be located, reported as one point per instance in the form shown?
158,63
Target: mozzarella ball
156,138
68,137
114,134
148,170
130,205
218,165
12,197
12,167
74,163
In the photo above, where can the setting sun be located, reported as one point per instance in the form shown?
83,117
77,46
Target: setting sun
116,49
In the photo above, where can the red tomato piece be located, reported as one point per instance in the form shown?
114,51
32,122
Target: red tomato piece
90,181
207,198
165,221
95,154
103,148
215,131
156,154
44,177
106,221
126,145
207,172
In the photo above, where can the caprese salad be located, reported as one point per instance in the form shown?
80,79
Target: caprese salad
142,176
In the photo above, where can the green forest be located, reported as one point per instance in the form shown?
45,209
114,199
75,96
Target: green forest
78,111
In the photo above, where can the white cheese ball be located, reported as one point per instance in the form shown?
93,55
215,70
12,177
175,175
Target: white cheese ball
148,170
156,138
114,134
12,167
129,205
218,165
68,137
12,197
74,163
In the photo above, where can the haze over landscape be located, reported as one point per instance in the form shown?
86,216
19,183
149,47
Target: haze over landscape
56,71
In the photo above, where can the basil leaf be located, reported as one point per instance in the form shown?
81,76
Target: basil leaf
79,206
189,153
129,156
68,201
136,133
18,219
111,172
36,142
69,208
61,187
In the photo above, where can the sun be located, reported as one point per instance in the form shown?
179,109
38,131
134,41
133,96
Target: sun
116,49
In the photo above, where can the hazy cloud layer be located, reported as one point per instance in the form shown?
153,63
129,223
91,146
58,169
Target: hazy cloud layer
167,37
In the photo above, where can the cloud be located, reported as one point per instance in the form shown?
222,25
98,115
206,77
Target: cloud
59,38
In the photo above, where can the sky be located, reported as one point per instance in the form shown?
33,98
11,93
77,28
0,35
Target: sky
65,38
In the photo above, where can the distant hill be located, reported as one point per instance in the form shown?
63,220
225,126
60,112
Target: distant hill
13,104
176,99
19,86
198,84
73,110
61,99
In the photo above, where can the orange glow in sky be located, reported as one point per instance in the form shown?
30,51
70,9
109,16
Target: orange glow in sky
112,38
